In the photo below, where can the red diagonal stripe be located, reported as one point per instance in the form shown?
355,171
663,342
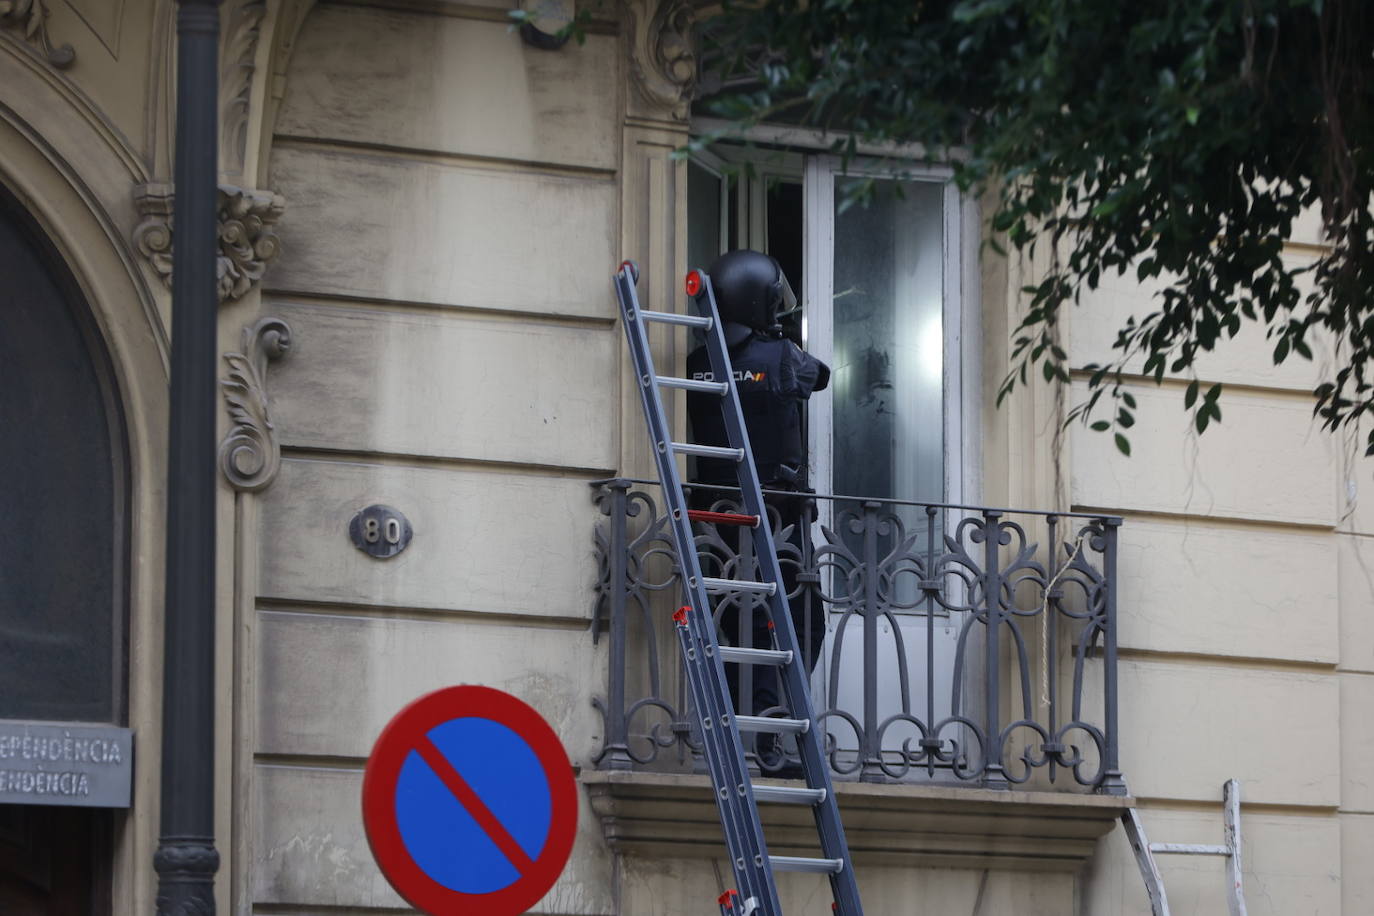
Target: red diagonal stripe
469,800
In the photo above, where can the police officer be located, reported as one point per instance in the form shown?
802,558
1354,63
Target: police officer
774,378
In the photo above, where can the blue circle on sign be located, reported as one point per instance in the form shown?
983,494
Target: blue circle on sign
439,829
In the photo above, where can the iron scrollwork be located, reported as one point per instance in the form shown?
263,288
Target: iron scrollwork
936,616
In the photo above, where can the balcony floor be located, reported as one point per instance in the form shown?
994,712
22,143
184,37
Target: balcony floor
663,814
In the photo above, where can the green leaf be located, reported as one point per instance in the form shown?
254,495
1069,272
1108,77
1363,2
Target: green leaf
1200,420
1192,114
1123,445
1101,426
1107,207
1129,399
1190,396
975,9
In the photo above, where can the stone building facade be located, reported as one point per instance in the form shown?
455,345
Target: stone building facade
420,213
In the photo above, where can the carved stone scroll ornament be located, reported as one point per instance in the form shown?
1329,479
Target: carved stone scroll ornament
247,242
30,16
662,58
250,455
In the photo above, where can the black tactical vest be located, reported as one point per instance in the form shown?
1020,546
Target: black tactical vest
774,378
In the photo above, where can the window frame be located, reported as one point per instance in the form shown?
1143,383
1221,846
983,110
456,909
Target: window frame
808,156
819,247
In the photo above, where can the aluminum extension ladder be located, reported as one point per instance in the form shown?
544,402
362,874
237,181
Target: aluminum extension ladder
736,796
1145,853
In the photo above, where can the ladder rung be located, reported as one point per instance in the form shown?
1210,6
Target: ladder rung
691,321
692,384
756,656
1188,849
789,795
773,724
717,586
708,451
801,863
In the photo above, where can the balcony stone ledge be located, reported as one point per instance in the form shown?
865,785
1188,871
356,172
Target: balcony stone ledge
941,826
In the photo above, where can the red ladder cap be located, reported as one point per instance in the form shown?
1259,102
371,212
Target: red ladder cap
680,615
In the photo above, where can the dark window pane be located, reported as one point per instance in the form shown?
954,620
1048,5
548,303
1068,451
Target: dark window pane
732,242
703,216
785,225
59,617
785,228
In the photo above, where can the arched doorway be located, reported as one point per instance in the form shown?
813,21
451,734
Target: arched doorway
63,563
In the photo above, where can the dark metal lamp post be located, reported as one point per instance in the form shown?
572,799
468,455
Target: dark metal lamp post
186,859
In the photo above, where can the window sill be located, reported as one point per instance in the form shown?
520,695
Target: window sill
660,814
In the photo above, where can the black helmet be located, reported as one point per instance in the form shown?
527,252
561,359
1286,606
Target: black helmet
750,288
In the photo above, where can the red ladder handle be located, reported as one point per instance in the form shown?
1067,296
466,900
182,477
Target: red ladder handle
723,518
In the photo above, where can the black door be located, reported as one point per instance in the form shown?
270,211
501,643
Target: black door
53,861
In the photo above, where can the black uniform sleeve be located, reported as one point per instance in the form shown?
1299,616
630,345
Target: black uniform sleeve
810,373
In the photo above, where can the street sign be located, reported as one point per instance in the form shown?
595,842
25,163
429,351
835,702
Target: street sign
469,803
63,763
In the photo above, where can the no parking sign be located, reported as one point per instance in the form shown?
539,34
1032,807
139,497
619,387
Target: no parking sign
469,803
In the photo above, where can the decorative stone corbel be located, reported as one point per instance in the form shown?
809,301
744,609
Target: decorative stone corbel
31,17
661,54
247,242
250,454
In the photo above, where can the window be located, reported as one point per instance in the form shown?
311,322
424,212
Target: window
62,610
882,293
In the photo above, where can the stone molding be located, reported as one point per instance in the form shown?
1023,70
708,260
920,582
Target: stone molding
243,20
31,18
247,240
662,60
943,826
250,455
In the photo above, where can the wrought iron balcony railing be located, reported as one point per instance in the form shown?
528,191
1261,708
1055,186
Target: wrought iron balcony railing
955,643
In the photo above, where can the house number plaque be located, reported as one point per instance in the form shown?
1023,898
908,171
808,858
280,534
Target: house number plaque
380,531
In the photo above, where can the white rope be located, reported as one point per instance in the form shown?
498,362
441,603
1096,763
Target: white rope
1045,621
